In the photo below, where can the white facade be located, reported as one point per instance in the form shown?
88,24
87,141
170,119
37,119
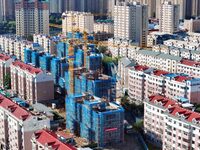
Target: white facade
169,17
131,22
32,17
77,21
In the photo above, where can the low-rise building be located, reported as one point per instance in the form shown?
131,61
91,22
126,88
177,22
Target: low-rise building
18,124
48,140
30,83
5,62
192,25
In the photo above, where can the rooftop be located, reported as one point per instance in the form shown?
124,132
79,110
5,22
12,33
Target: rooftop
190,63
14,108
165,102
4,57
160,72
46,137
27,67
141,68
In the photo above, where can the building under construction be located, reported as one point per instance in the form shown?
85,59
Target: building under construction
94,83
95,119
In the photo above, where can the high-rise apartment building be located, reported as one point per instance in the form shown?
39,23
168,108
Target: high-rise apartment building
56,6
131,22
32,17
74,21
7,10
195,7
169,17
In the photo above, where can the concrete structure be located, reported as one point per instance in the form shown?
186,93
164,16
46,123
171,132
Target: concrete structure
47,42
56,6
18,124
95,119
7,10
192,25
30,83
131,22
5,62
169,125
14,45
104,27
169,18
123,65
77,21
48,140
32,17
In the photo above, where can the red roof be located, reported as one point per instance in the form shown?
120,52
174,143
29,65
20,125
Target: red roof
182,78
15,109
188,114
27,67
160,72
165,101
51,139
141,68
4,57
189,62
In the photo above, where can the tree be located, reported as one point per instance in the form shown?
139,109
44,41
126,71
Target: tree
7,81
30,38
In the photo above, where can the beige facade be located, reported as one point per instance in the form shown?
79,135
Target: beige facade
192,25
77,21
31,83
17,125
32,17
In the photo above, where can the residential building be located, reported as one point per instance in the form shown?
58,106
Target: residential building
56,6
178,85
5,62
154,125
136,84
104,27
18,124
168,124
48,140
128,25
123,65
30,83
95,119
169,17
7,10
189,67
32,17
77,21
47,42
192,25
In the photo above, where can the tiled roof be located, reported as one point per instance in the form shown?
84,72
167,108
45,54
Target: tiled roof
4,57
46,137
165,101
141,68
160,72
15,109
27,67
182,78
190,62
188,114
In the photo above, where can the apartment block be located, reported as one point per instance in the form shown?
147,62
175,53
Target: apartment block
131,22
30,83
169,17
178,85
168,124
189,67
192,25
17,125
104,27
136,84
48,140
77,21
32,17
95,119
5,62
48,43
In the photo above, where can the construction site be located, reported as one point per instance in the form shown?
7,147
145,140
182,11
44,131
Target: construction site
95,119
